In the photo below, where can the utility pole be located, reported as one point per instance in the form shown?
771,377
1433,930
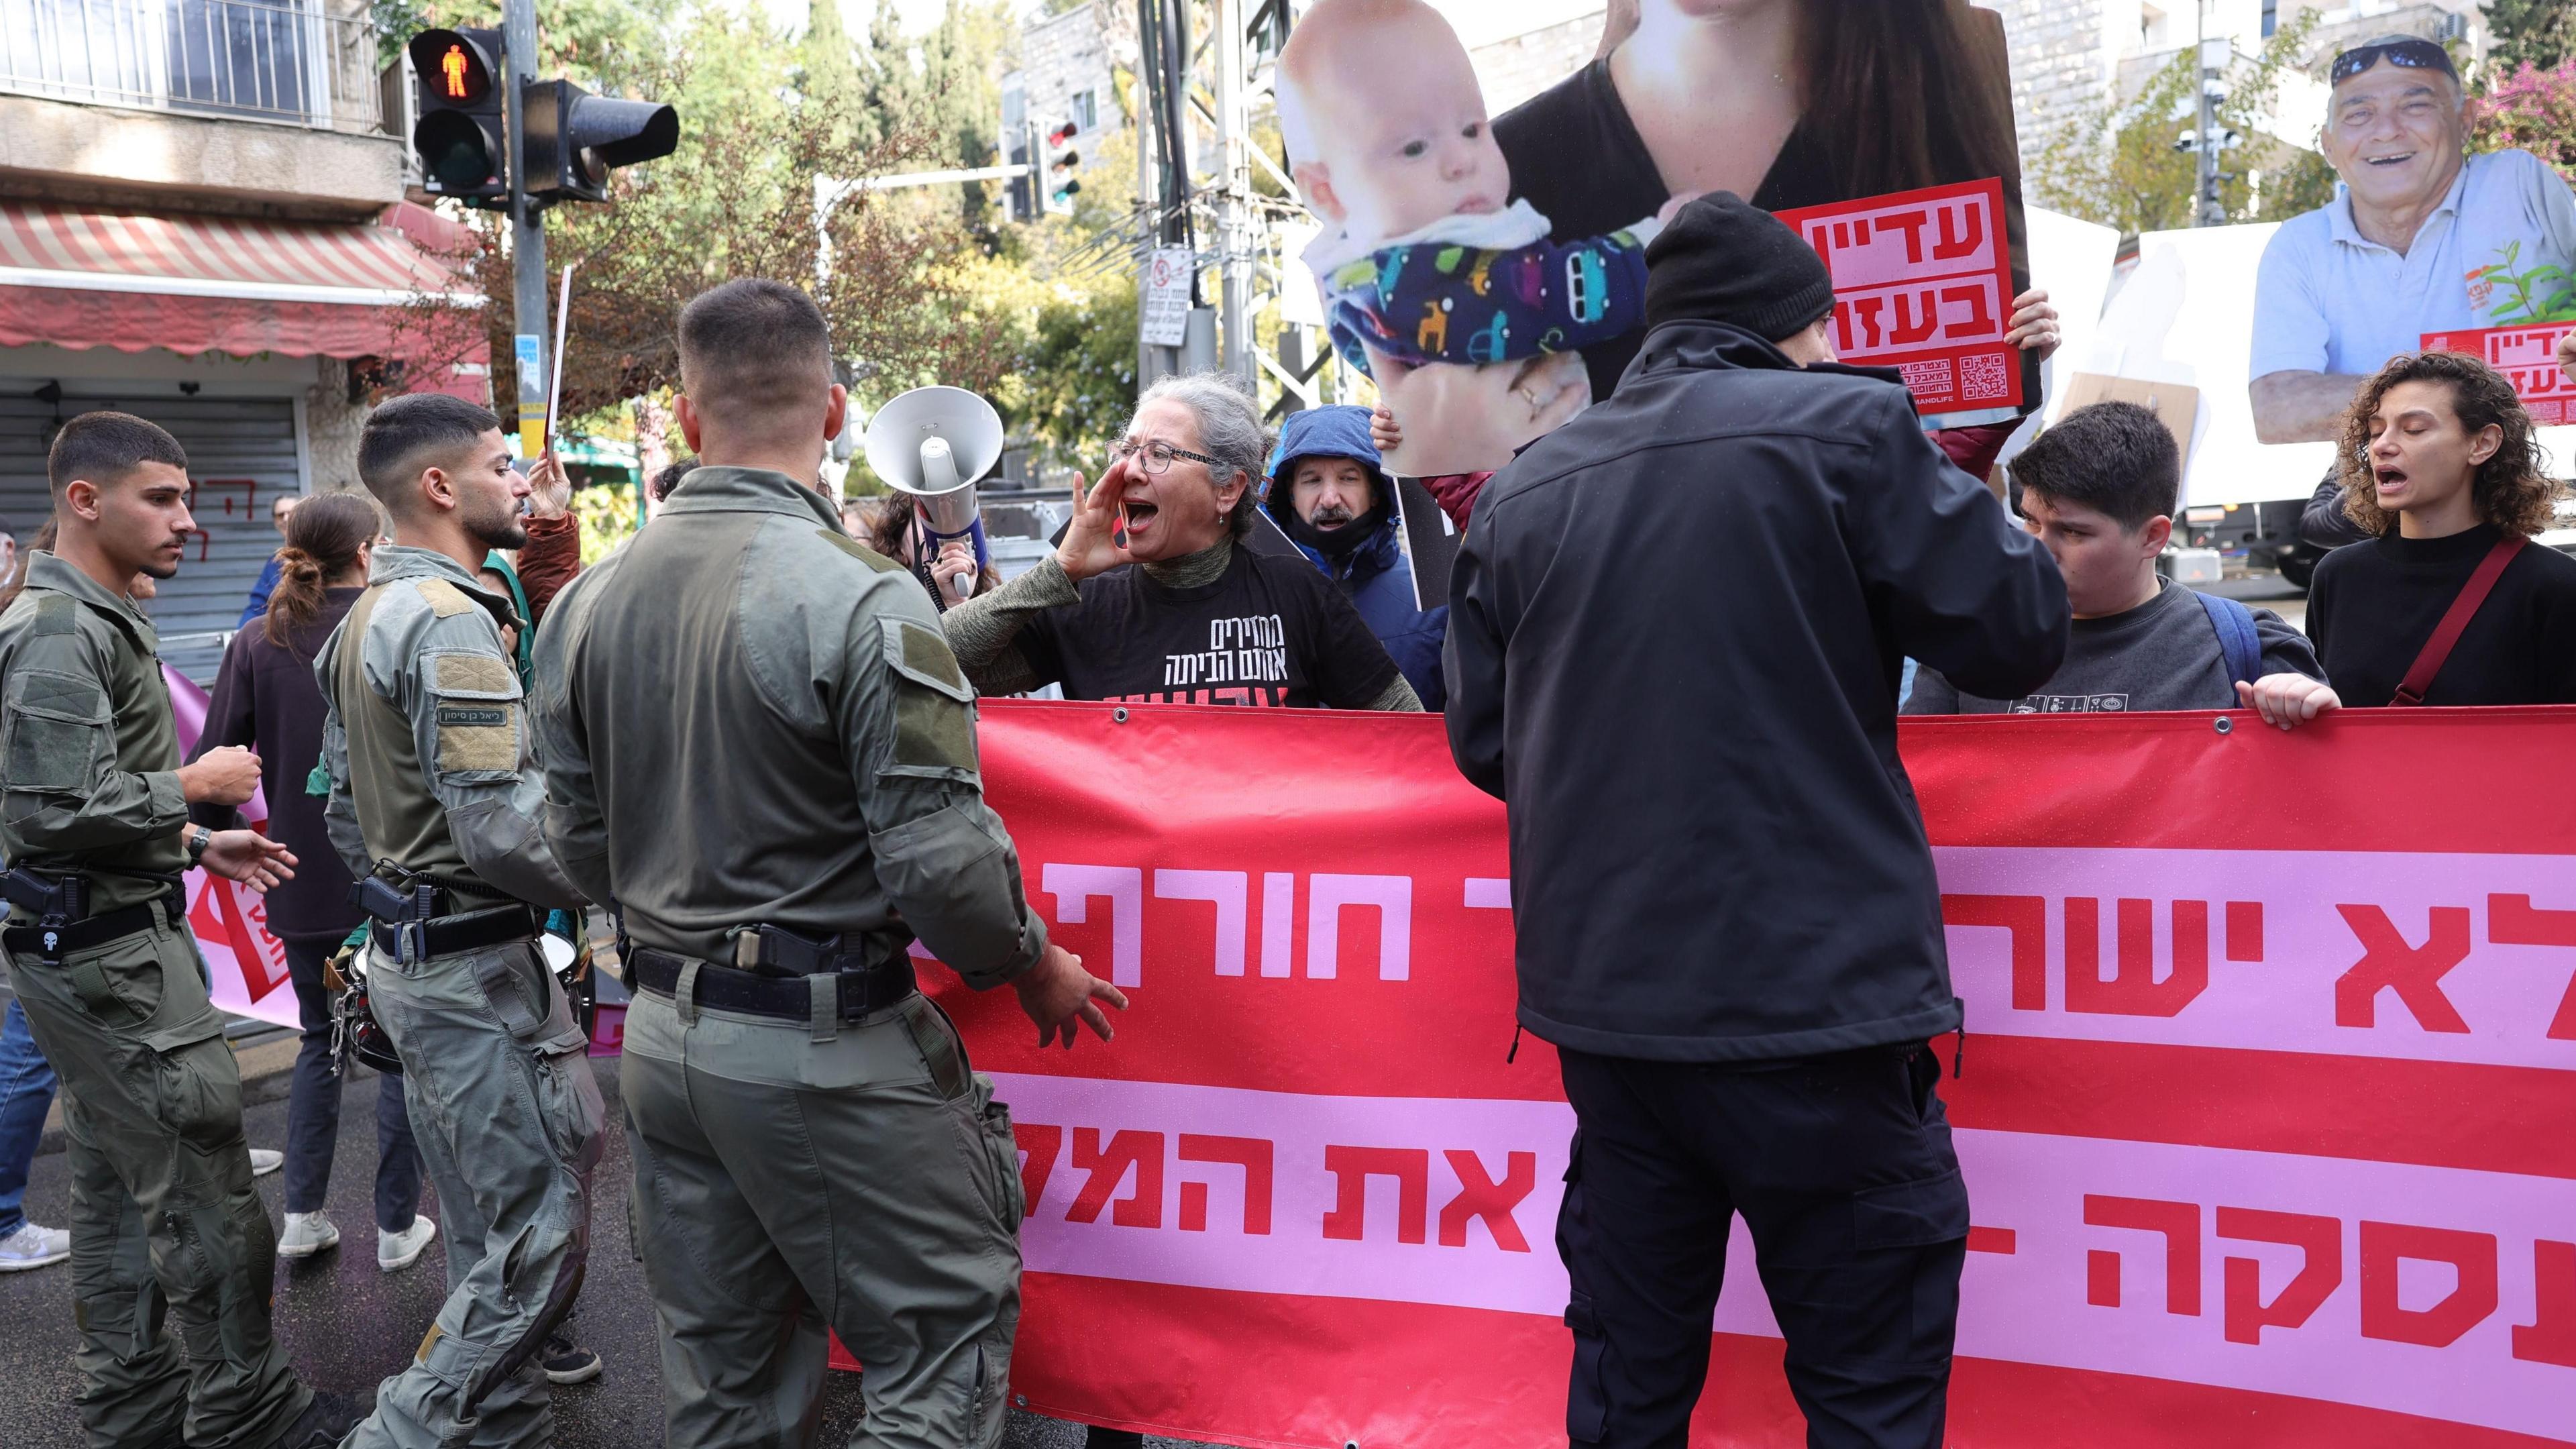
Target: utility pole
1234,200
527,228
2207,210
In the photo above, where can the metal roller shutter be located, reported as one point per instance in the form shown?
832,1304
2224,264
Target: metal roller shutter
241,454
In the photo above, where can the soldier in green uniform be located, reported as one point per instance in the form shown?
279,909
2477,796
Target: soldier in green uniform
435,804
756,741
167,1233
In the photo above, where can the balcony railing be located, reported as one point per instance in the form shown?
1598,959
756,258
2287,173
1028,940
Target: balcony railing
261,60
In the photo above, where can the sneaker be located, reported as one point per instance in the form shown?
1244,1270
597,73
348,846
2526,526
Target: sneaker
307,1234
325,1422
397,1251
567,1362
263,1161
34,1247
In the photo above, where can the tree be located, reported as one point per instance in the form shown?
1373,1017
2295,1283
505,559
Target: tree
737,200
2530,109
2117,164
2534,33
1078,382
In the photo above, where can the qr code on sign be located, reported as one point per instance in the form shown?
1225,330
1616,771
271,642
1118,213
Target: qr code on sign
1985,377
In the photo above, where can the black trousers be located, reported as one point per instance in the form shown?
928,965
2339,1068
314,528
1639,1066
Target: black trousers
313,1106
1843,1170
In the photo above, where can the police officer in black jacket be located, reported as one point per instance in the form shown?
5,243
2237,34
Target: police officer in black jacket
1676,625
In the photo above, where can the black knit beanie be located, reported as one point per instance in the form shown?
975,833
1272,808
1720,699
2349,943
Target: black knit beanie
1722,259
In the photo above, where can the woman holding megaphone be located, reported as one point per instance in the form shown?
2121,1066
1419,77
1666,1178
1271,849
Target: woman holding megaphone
1154,596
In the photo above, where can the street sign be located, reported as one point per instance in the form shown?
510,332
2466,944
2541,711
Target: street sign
1163,301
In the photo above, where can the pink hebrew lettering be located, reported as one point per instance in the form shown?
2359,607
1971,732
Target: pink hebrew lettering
2413,972
2026,917
1253,1155
1480,1196
1278,920
2177,1222
1352,1167
1073,886
2472,1257
1141,1151
2132,991
2550,1337
2512,921
1227,889
1327,895
2319,1239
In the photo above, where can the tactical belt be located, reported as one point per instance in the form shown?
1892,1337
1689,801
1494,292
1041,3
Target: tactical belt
50,944
60,903
859,993
409,941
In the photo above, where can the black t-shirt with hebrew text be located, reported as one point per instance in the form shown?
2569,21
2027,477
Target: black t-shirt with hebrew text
1270,631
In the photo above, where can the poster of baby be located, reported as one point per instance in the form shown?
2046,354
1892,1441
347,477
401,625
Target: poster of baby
1488,272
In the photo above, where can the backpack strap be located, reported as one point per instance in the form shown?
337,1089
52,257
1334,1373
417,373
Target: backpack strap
2446,635
2237,641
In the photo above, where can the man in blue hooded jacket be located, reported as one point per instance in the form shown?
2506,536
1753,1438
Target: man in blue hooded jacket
1330,494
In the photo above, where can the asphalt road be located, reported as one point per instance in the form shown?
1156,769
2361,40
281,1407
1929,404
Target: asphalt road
348,1324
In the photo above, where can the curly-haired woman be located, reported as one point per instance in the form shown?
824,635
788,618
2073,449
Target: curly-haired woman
2439,466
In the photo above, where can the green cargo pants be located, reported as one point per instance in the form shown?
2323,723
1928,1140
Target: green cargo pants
792,1177
496,1073
166,1228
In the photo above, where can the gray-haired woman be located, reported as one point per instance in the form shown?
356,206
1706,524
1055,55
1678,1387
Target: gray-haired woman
1153,598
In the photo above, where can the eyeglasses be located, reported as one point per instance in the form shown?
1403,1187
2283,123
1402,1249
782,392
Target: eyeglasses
1156,456
2412,54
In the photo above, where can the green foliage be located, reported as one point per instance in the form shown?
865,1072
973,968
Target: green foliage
1078,379
2539,33
2116,164
607,517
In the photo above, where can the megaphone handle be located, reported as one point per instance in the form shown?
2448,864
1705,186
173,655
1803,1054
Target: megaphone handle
983,555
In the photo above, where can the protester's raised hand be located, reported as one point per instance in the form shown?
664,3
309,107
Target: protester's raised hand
1061,997
250,858
1468,419
1095,542
2034,324
1386,433
2287,699
549,487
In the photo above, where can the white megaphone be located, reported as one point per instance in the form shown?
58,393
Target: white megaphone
932,444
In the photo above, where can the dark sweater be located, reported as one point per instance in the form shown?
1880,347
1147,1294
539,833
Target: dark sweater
2374,605
265,697
2163,654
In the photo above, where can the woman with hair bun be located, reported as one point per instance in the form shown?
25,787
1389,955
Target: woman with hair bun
266,697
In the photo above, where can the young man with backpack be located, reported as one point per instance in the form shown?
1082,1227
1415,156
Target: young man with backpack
2100,490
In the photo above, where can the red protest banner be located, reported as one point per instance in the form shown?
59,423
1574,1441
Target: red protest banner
1923,284
2268,1117
2528,357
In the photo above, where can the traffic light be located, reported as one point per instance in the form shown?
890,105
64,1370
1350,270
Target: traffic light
459,136
574,139
1062,180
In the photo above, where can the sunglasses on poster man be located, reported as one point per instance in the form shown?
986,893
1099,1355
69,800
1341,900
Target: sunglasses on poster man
2411,54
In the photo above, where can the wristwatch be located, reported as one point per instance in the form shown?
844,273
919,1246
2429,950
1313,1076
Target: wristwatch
197,844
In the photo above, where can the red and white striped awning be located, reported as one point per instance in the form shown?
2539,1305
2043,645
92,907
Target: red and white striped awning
194,284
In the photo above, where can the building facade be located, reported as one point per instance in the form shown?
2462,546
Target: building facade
202,221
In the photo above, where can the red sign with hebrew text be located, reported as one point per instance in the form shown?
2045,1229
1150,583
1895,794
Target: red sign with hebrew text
1923,284
2268,1115
2528,357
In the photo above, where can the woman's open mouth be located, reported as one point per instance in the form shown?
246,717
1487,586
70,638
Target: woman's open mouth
1137,515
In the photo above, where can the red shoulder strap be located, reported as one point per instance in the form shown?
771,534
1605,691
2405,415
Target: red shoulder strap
2446,635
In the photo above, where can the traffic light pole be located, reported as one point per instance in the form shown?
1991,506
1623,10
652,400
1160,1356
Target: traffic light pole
527,229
